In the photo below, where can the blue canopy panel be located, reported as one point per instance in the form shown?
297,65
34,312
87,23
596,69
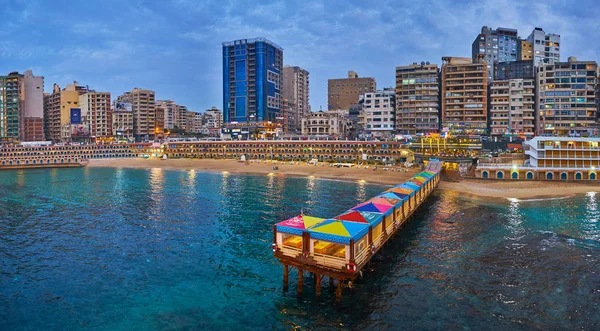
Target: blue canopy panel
290,230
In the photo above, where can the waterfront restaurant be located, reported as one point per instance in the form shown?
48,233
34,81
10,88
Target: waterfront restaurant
339,247
550,158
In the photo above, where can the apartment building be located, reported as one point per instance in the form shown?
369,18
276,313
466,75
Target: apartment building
296,93
378,112
329,123
122,122
512,107
567,98
514,70
524,50
159,120
33,107
96,113
464,95
342,93
417,98
144,108
62,111
546,46
498,45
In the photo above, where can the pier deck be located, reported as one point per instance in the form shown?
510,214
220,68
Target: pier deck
341,246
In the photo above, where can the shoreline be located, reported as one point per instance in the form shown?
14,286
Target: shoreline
483,189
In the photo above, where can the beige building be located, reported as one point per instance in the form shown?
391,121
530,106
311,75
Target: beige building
512,107
345,92
96,113
567,103
296,92
171,112
417,98
122,124
144,108
464,95
58,108
525,50
377,115
329,123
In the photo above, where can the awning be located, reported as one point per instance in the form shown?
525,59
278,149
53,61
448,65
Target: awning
338,231
296,225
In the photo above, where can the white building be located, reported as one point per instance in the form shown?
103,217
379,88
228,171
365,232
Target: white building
33,107
378,112
329,123
546,47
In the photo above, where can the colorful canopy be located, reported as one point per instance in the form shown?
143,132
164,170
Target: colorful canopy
409,185
361,217
296,225
390,197
381,201
402,190
398,195
338,231
376,208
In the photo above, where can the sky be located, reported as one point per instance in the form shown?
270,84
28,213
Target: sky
174,46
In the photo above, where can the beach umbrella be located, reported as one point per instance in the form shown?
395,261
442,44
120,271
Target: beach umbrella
338,231
296,225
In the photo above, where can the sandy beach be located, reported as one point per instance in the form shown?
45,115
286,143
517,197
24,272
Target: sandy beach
473,187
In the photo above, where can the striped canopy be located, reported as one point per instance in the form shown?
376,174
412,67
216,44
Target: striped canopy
338,231
296,225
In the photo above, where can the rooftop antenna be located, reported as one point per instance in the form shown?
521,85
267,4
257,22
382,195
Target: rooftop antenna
301,211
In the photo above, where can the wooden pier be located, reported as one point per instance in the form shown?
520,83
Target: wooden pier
340,247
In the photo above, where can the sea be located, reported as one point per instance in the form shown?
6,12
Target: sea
137,249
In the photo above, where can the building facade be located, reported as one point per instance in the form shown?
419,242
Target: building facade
546,47
33,107
498,45
144,108
122,123
296,92
329,123
342,93
159,121
567,98
514,70
464,95
525,50
96,113
378,113
417,98
252,80
10,106
62,113
512,107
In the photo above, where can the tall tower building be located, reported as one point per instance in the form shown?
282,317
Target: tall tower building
342,93
512,107
498,45
296,91
143,108
252,80
464,95
546,47
567,98
96,113
11,105
417,98
33,107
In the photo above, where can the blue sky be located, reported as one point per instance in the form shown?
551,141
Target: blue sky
174,47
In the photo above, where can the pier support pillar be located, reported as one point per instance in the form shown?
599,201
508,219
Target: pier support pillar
300,281
318,284
338,292
286,274
330,282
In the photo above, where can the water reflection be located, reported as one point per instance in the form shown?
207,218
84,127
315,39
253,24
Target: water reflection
156,189
590,229
118,189
515,221
361,192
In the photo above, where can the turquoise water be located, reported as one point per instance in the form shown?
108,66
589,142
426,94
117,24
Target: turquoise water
121,249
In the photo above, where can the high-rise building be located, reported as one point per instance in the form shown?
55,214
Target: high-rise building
122,122
524,50
514,70
143,107
498,45
417,98
96,113
378,112
567,98
10,106
464,95
342,93
171,113
159,120
546,47
512,107
182,117
296,91
62,113
252,81
33,107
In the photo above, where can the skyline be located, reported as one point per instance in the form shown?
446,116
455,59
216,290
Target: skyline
162,47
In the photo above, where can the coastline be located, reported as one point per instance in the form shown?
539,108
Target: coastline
485,189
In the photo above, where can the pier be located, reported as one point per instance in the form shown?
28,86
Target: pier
341,246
